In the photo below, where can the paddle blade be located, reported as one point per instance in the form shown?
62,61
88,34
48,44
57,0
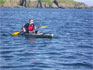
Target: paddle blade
15,33
43,26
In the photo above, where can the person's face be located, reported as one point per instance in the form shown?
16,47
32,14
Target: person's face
31,22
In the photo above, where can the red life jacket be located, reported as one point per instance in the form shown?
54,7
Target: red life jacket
30,28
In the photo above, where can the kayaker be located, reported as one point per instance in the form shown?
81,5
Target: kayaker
29,27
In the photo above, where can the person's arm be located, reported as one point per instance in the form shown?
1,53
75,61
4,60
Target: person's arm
34,27
25,27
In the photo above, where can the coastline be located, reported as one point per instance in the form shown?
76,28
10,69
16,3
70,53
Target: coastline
50,8
44,4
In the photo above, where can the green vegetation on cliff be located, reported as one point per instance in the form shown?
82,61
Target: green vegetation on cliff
2,1
42,3
71,3
47,1
66,1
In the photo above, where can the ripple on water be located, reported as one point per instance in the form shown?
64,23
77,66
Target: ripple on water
70,48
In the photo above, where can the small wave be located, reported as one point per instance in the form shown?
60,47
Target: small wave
84,46
88,65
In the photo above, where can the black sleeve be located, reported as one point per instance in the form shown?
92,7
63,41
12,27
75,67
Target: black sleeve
26,25
33,25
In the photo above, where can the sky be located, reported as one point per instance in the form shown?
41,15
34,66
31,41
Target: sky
88,2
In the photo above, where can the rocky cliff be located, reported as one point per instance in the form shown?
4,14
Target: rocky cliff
42,4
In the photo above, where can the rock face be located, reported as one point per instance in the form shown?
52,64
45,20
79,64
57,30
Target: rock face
42,4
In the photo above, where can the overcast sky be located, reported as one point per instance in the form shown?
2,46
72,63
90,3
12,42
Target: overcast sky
88,2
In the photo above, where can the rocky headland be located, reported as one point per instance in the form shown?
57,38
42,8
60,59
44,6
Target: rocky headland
42,4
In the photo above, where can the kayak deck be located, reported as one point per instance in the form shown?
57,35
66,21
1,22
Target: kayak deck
37,35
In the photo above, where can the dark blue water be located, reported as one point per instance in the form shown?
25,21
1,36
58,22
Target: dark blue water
70,49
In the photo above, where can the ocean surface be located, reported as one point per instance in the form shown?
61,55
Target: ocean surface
71,48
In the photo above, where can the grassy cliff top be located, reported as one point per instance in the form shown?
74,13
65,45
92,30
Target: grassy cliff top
47,1
2,1
66,2
59,1
70,2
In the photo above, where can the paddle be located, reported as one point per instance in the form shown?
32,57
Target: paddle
43,26
16,33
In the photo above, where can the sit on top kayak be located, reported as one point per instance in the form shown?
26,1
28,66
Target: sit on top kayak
37,35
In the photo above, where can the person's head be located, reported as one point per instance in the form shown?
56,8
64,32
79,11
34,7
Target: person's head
31,21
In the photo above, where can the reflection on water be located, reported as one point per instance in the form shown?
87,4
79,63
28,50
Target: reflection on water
31,39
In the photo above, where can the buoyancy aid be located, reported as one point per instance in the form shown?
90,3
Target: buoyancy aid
30,27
